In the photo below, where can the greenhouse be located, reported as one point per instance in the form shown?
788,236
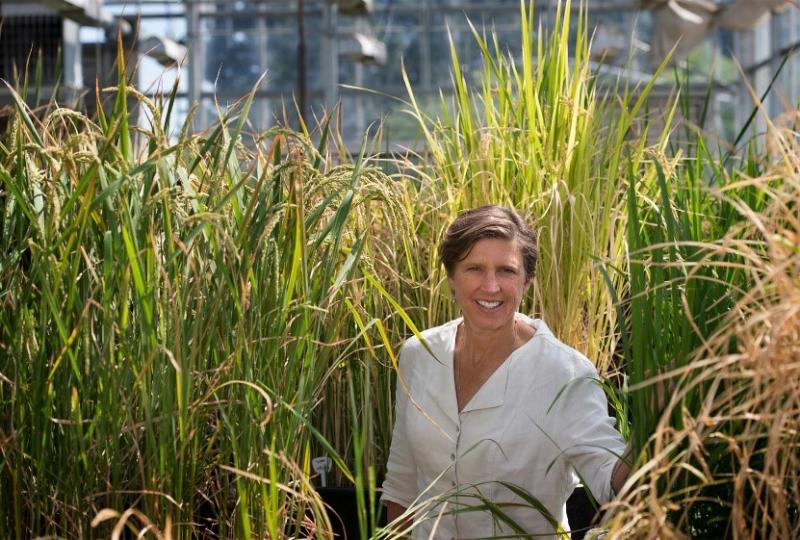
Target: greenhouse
386,269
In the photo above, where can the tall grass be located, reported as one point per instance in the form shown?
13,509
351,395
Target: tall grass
679,286
725,455
710,338
172,315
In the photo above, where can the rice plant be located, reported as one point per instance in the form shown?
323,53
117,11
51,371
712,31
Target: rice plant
173,312
713,421
724,457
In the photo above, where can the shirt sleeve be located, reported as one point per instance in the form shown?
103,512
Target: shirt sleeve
591,443
400,485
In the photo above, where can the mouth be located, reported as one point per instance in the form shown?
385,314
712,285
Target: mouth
489,305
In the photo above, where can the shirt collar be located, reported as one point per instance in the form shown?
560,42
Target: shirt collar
492,393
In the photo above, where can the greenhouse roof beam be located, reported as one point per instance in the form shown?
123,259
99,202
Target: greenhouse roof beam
86,12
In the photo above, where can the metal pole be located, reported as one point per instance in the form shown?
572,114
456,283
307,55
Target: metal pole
301,60
330,57
196,63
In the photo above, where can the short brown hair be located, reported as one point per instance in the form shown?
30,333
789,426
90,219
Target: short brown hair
488,222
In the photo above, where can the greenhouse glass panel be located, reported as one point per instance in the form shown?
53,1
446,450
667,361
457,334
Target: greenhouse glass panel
235,49
281,52
399,129
403,49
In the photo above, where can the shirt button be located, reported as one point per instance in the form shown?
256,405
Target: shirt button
453,483
452,457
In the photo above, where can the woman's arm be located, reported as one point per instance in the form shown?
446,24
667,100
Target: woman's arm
400,482
394,511
621,471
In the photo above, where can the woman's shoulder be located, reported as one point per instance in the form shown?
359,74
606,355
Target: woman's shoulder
436,335
555,357
434,340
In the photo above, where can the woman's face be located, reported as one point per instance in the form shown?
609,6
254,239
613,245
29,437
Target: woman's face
489,283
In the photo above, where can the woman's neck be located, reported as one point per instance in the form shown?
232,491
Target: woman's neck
477,345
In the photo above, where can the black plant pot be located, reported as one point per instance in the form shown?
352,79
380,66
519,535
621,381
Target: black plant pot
342,510
580,513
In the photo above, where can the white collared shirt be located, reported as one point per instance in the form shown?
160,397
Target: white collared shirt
540,422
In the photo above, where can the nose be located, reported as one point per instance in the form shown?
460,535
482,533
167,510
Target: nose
490,283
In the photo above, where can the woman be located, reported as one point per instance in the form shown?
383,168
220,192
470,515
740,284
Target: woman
492,402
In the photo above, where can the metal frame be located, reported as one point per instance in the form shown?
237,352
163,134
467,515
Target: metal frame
334,27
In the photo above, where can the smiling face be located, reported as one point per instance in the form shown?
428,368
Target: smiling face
489,284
